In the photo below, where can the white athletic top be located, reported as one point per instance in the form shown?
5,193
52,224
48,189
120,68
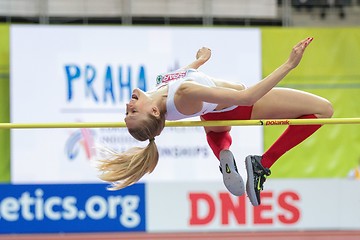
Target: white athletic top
174,81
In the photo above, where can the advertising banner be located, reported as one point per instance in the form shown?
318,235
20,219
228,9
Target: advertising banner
86,74
286,205
71,208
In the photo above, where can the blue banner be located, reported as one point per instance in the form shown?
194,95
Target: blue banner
56,208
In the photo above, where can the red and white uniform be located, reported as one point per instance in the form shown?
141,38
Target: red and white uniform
174,81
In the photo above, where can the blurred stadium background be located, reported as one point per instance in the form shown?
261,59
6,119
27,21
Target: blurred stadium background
185,12
66,61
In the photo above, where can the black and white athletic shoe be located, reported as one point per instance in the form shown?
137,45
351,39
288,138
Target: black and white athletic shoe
231,177
256,176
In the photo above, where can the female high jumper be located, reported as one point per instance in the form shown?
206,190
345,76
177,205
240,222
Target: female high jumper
187,93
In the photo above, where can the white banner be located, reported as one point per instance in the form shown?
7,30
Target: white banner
287,205
86,74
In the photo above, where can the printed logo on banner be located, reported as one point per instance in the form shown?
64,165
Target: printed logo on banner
80,139
102,84
71,208
206,207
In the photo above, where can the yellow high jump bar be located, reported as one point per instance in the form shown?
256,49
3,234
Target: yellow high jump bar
267,122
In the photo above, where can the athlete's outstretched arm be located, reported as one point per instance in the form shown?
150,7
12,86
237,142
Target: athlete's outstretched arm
260,89
252,94
202,56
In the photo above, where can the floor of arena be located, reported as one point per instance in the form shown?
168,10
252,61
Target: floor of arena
298,235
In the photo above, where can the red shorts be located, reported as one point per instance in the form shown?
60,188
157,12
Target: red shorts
239,113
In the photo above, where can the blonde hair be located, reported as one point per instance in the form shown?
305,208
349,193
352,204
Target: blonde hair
127,168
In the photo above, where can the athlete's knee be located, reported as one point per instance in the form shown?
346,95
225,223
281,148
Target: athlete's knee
217,129
327,110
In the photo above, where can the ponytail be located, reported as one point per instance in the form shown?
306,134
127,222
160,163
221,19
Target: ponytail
125,169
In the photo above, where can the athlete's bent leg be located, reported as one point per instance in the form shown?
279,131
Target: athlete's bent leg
282,103
289,103
219,140
219,137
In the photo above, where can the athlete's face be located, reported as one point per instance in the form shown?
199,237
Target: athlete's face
138,108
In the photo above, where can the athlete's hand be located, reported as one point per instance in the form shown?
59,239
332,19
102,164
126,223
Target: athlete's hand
297,52
203,54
